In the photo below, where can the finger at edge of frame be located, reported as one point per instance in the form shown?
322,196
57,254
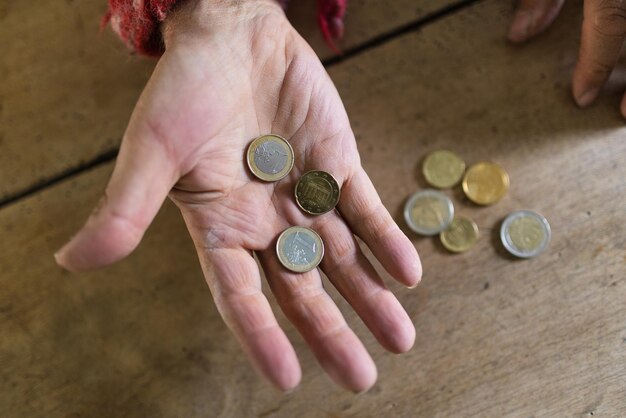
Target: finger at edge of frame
603,34
533,17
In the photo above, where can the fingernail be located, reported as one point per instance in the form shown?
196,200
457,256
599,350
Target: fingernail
587,97
520,28
413,286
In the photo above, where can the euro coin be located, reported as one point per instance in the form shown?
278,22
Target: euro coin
443,169
460,236
299,249
485,183
270,157
428,212
317,192
525,233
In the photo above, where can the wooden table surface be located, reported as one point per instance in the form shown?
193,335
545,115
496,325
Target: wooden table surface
544,337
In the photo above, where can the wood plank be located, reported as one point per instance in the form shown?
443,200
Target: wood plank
495,336
67,91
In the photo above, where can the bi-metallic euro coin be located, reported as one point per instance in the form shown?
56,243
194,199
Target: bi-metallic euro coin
317,192
443,169
428,212
299,249
525,233
485,183
270,157
460,236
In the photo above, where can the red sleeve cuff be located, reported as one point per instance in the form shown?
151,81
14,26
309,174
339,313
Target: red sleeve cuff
137,22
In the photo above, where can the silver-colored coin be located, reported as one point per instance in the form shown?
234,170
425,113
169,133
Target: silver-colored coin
299,249
428,212
525,233
270,157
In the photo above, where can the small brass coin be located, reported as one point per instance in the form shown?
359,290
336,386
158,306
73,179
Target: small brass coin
485,183
317,192
460,236
299,249
270,157
443,169
525,233
428,212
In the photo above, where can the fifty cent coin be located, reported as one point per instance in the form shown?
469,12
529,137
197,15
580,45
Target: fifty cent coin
428,212
270,157
443,169
317,192
299,249
460,236
525,233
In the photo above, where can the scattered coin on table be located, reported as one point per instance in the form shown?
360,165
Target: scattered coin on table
525,233
428,212
460,236
299,249
270,157
485,183
443,169
317,192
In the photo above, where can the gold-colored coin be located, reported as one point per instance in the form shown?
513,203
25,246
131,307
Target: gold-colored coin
460,236
270,157
443,169
317,192
485,183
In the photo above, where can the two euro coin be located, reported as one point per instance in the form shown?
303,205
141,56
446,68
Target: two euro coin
525,233
428,212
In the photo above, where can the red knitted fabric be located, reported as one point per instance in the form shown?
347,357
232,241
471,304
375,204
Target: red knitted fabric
137,22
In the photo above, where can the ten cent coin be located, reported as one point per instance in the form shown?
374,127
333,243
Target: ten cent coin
485,183
428,212
317,192
270,157
443,169
299,249
460,236
525,233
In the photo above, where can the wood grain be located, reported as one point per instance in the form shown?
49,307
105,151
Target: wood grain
67,91
495,336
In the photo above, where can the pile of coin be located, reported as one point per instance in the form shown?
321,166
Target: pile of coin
429,212
270,158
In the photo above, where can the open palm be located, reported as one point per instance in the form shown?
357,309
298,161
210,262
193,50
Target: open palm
211,93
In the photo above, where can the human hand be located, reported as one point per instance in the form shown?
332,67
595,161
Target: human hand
229,74
603,34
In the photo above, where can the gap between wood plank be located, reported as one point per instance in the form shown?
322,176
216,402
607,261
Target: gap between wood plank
374,42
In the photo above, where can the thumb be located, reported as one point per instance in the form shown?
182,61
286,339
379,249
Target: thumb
143,176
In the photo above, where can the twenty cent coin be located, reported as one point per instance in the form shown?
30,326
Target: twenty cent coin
525,233
460,236
443,169
299,249
428,212
270,157
317,192
485,183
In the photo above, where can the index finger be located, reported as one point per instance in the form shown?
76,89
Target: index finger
603,33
